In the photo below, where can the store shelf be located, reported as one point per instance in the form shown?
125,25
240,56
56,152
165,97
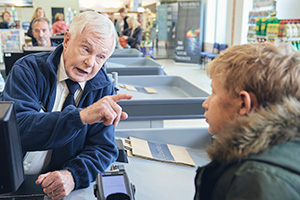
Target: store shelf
251,39
275,38
278,38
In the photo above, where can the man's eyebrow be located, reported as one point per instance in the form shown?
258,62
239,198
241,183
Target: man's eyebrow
86,42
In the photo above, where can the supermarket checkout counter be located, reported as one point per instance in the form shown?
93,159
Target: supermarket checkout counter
57,38
157,180
176,98
121,53
134,66
152,179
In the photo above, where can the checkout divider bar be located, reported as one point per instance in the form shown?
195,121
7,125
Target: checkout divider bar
139,110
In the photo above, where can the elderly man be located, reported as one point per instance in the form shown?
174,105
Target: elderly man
66,107
42,32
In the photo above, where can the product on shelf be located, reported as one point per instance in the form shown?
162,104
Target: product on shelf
262,27
298,26
258,25
287,32
281,28
273,27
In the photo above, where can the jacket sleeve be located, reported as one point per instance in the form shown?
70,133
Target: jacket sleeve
24,90
98,153
262,184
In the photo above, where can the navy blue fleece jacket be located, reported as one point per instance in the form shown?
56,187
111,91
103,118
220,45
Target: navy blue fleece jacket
84,150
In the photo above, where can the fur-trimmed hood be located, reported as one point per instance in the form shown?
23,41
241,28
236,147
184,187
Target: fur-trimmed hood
258,131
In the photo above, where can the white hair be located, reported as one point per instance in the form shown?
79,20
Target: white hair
94,22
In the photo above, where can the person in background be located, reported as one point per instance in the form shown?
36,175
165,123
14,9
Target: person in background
5,20
254,113
42,32
59,26
39,12
133,34
66,107
118,45
122,24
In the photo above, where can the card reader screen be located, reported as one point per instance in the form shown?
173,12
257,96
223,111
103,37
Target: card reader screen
113,184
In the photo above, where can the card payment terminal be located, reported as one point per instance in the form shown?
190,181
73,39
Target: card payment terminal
114,185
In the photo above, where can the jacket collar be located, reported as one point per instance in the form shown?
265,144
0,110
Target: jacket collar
258,131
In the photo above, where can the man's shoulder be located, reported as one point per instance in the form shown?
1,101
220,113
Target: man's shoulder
38,62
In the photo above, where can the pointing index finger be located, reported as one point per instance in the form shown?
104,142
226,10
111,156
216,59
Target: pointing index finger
118,97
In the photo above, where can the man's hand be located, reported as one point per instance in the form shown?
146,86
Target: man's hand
105,110
57,184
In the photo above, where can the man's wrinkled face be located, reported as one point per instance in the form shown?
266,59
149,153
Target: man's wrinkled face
85,54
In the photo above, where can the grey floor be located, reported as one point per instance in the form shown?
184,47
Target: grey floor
192,73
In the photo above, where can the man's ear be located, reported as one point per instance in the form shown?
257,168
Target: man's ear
248,101
66,39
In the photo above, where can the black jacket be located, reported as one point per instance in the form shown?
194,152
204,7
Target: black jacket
134,41
3,25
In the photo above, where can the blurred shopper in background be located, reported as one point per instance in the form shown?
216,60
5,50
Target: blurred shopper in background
42,32
122,24
5,20
59,26
254,112
133,34
118,45
39,12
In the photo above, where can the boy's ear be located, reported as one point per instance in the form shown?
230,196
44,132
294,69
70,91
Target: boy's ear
248,101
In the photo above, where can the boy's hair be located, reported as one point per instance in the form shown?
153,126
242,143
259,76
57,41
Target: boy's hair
269,71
